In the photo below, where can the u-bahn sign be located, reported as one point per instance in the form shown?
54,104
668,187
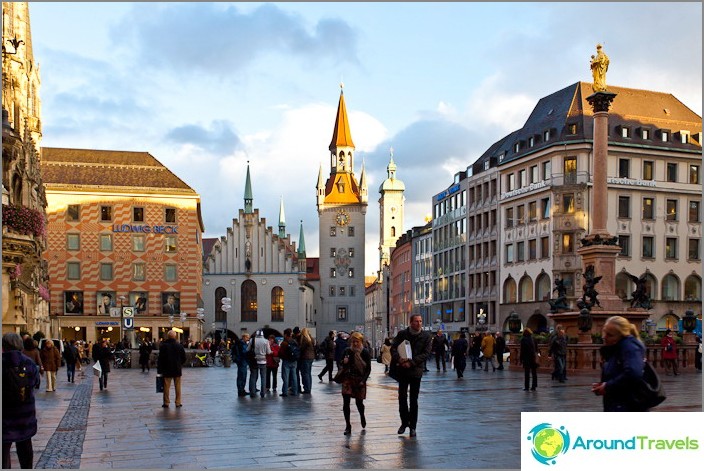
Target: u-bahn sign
128,322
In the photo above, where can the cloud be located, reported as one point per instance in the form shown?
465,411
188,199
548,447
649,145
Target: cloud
222,40
219,139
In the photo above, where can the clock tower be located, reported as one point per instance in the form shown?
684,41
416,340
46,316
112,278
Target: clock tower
342,208
390,212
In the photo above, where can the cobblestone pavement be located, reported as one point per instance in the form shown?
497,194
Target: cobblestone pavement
126,427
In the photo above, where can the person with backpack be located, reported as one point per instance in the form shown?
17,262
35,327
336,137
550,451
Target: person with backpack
289,352
71,357
20,376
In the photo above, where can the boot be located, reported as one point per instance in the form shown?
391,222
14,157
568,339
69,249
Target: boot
362,419
348,425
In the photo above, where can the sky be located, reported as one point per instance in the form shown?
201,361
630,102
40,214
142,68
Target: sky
207,87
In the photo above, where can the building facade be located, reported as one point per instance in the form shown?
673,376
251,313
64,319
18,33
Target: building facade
342,207
401,284
422,271
124,247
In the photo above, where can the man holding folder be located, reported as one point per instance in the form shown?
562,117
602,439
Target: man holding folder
409,350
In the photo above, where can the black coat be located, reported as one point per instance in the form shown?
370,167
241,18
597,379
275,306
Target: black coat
528,350
102,355
420,347
19,422
171,357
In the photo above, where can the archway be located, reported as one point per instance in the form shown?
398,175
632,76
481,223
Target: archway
538,323
510,290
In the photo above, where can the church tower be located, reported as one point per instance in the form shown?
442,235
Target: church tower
390,212
342,208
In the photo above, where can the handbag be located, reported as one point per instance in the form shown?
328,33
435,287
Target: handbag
339,376
648,391
393,370
159,384
97,369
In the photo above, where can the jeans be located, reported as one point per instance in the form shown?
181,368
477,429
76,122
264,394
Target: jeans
254,374
560,367
492,360
289,377
271,378
71,371
306,375
409,417
25,454
241,377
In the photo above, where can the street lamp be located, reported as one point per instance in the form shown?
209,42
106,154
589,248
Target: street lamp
689,322
200,314
514,322
226,306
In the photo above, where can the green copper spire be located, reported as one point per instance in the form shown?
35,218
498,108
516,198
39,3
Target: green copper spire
248,193
301,243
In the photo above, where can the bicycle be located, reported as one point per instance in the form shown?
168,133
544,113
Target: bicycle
219,356
202,360
123,359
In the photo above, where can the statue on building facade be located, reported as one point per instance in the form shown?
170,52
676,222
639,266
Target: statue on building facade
599,65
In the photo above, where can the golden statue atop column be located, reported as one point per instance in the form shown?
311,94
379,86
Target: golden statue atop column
599,65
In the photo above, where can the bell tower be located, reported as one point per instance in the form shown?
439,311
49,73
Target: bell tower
390,212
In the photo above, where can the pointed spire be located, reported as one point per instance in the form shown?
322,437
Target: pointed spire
301,243
248,193
341,136
391,168
282,220
363,190
321,181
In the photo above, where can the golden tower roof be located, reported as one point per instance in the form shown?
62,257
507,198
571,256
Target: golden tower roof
341,136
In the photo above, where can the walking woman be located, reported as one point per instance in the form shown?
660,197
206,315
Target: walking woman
51,361
386,354
356,368
528,358
102,354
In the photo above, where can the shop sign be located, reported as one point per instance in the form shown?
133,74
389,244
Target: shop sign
106,323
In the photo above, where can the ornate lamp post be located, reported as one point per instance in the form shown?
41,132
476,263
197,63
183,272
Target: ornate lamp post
226,306
689,323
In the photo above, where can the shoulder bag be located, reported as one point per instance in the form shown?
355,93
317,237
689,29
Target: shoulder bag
648,391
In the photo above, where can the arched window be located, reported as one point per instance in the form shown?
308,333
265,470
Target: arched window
525,289
624,286
220,315
542,287
651,286
693,288
249,301
393,231
510,290
670,288
277,304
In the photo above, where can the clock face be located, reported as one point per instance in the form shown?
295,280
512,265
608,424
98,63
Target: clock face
342,218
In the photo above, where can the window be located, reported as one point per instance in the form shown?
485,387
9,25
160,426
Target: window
644,134
693,249
694,174
138,272
73,241
546,136
545,247
671,247
648,208
665,136
521,178
249,301
333,252
624,167
521,214
509,217
510,182
520,251
138,214
106,271
684,137
624,207
72,213
648,173
170,215
342,291
509,253
350,273
333,272
570,170
351,291
567,242
393,231
73,271
531,141
105,242
332,291
277,304
533,211
170,244
333,231
170,272
532,249
350,252
547,170
545,208
534,174
624,242
106,213
568,203
648,245
671,172
693,211
138,243
350,231
671,210
625,132
341,313
572,129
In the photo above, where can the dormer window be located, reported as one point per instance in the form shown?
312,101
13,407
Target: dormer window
531,141
625,132
684,137
340,186
572,129
546,136
516,147
644,134
664,136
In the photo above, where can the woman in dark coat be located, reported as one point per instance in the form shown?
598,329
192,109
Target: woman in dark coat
356,368
459,354
527,357
19,420
102,354
623,355
145,351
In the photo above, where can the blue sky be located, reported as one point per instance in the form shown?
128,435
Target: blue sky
206,87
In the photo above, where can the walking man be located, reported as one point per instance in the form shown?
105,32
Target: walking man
410,370
499,349
439,346
172,356
71,357
328,350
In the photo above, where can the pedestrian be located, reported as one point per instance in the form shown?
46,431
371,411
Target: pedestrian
698,355
669,352
297,337
623,360
558,352
288,365
81,356
327,347
71,357
386,354
459,354
19,414
51,361
499,349
356,368
239,356
145,352
272,364
475,349
439,346
305,361
487,347
31,350
529,359
172,356
410,370
261,348
340,346
102,354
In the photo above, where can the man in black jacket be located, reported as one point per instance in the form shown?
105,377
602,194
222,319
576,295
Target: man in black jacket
410,370
328,349
171,357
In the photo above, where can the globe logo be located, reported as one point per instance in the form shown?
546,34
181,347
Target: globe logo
548,443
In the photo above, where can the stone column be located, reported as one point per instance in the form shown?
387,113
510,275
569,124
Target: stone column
600,102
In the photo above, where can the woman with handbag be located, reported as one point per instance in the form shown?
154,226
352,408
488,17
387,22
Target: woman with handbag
622,367
356,368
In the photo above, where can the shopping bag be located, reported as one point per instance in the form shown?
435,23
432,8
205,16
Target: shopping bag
159,384
97,369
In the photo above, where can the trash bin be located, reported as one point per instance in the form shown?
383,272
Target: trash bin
226,361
